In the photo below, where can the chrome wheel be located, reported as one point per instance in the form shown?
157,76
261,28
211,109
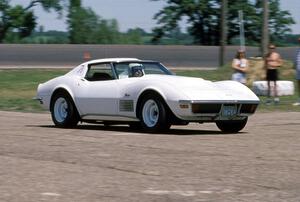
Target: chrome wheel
150,113
60,109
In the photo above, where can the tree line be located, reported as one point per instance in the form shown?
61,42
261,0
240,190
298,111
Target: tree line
204,18
18,23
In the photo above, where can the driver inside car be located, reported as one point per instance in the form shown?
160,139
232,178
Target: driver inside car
136,70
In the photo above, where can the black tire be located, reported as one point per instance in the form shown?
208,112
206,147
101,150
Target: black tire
232,126
63,111
159,113
135,125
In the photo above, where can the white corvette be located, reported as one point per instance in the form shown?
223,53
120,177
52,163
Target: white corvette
143,94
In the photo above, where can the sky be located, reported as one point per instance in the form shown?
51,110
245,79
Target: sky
133,13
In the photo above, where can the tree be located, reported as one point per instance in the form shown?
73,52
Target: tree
133,36
201,15
252,20
204,19
82,24
279,21
223,41
265,28
20,21
75,13
275,24
86,27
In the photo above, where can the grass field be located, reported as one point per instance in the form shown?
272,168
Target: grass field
17,87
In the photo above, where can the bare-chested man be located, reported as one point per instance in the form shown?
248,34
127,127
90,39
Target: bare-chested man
272,62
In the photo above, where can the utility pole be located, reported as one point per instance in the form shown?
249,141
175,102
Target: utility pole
223,41
242,31
265,28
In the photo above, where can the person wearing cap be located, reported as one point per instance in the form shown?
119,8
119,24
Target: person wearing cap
136,70
240,65
297,67
272,62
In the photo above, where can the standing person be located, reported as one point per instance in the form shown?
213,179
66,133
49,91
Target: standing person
272,62
240,65
297,67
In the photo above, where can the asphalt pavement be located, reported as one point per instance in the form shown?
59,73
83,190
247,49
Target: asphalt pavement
193,163
67,55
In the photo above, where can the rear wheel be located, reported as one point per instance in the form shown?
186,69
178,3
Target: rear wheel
63,111
153,114
232,126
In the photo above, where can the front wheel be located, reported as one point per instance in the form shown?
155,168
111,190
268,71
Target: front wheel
232,126
153,114
63,111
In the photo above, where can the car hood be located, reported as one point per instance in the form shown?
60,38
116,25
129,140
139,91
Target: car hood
201,89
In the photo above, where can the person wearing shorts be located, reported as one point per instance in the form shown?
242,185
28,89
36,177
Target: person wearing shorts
272,62
272,75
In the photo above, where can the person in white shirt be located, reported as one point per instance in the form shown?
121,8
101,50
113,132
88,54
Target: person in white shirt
240,65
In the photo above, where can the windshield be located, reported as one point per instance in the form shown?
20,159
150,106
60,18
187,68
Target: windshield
139,69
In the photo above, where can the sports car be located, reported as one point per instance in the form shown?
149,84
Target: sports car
143,94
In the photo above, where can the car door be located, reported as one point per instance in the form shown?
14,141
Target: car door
98,92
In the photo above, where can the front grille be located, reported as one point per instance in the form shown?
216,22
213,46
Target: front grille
248,108
206,108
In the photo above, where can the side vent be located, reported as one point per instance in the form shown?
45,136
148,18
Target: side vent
126,106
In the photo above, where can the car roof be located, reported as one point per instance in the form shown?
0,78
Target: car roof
117,60
79,69
113,60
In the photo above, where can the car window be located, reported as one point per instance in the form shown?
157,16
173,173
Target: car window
129,69
99,72
122,70
152,68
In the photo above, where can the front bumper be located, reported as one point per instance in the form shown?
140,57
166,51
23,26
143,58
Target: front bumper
210,111
38,99
44,101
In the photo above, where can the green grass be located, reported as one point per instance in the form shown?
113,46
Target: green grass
18,87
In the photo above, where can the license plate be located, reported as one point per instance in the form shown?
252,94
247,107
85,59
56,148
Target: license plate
229,110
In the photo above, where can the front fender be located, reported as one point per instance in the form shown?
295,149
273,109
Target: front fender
170,95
